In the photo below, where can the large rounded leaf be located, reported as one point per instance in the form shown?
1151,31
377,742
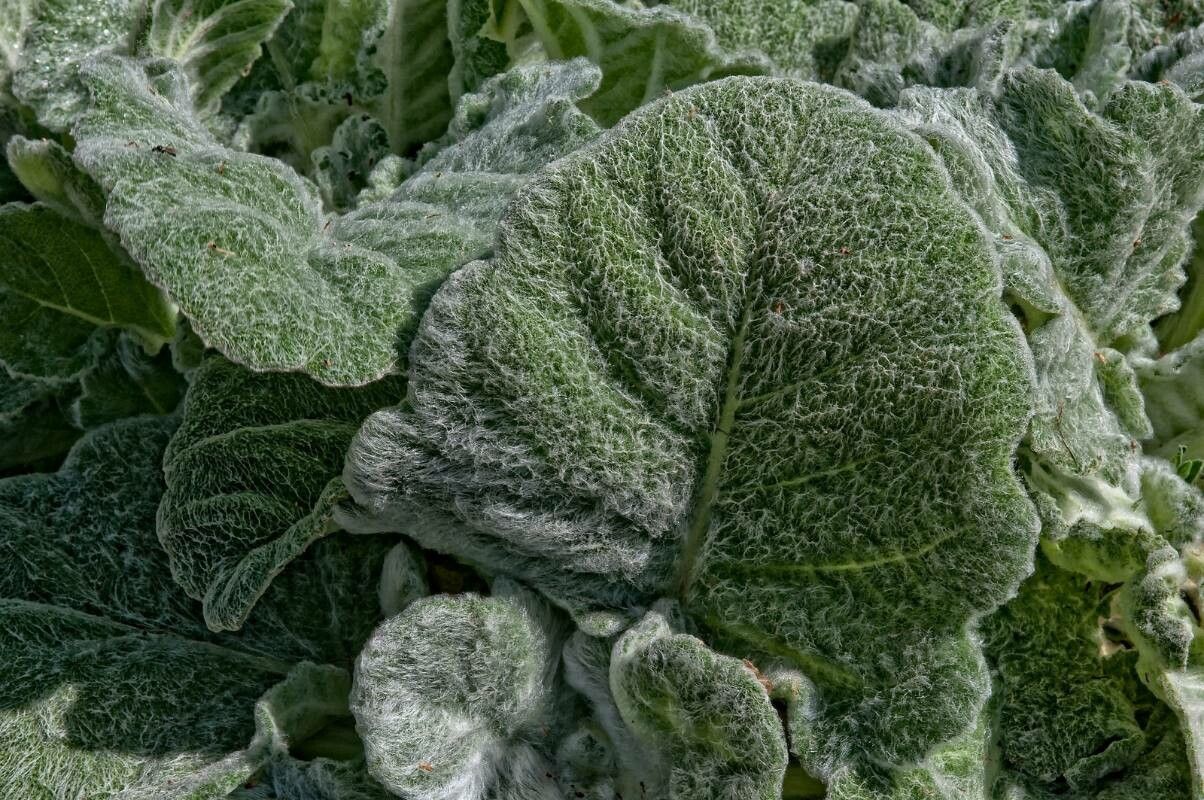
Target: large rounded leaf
748,352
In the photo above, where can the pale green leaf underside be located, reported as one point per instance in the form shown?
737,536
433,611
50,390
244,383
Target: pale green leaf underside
60,283
215,41
47,172
415,57
1183,690
704,363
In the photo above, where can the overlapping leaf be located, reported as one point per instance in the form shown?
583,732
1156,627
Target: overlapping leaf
55,37
642,52
111,684
61,285
708,713
262,273
455,698
252,479
215,41
1091,212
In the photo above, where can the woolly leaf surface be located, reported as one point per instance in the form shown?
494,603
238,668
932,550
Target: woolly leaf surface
642,52
1090,214
1173,389
342,168
262,274
1073,717
1181,61
251,479
47,172
452,698
111,684
126,382
797,35
708,711
59,35
657,386
35,428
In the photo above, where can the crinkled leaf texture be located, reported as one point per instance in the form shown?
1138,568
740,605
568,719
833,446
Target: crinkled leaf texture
252,478
110,683
60,285
748,352
799,35
1070,709
56,37
335,59
263,275
1173,390
1090,212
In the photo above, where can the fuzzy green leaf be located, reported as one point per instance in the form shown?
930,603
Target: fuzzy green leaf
333,296
58,36
46,170
110,684
798,35
452,698
252,478
1173,389
709,362
1070,709
642,52
708,712
414,57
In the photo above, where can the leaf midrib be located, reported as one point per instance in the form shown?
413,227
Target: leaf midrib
259,661
708,490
